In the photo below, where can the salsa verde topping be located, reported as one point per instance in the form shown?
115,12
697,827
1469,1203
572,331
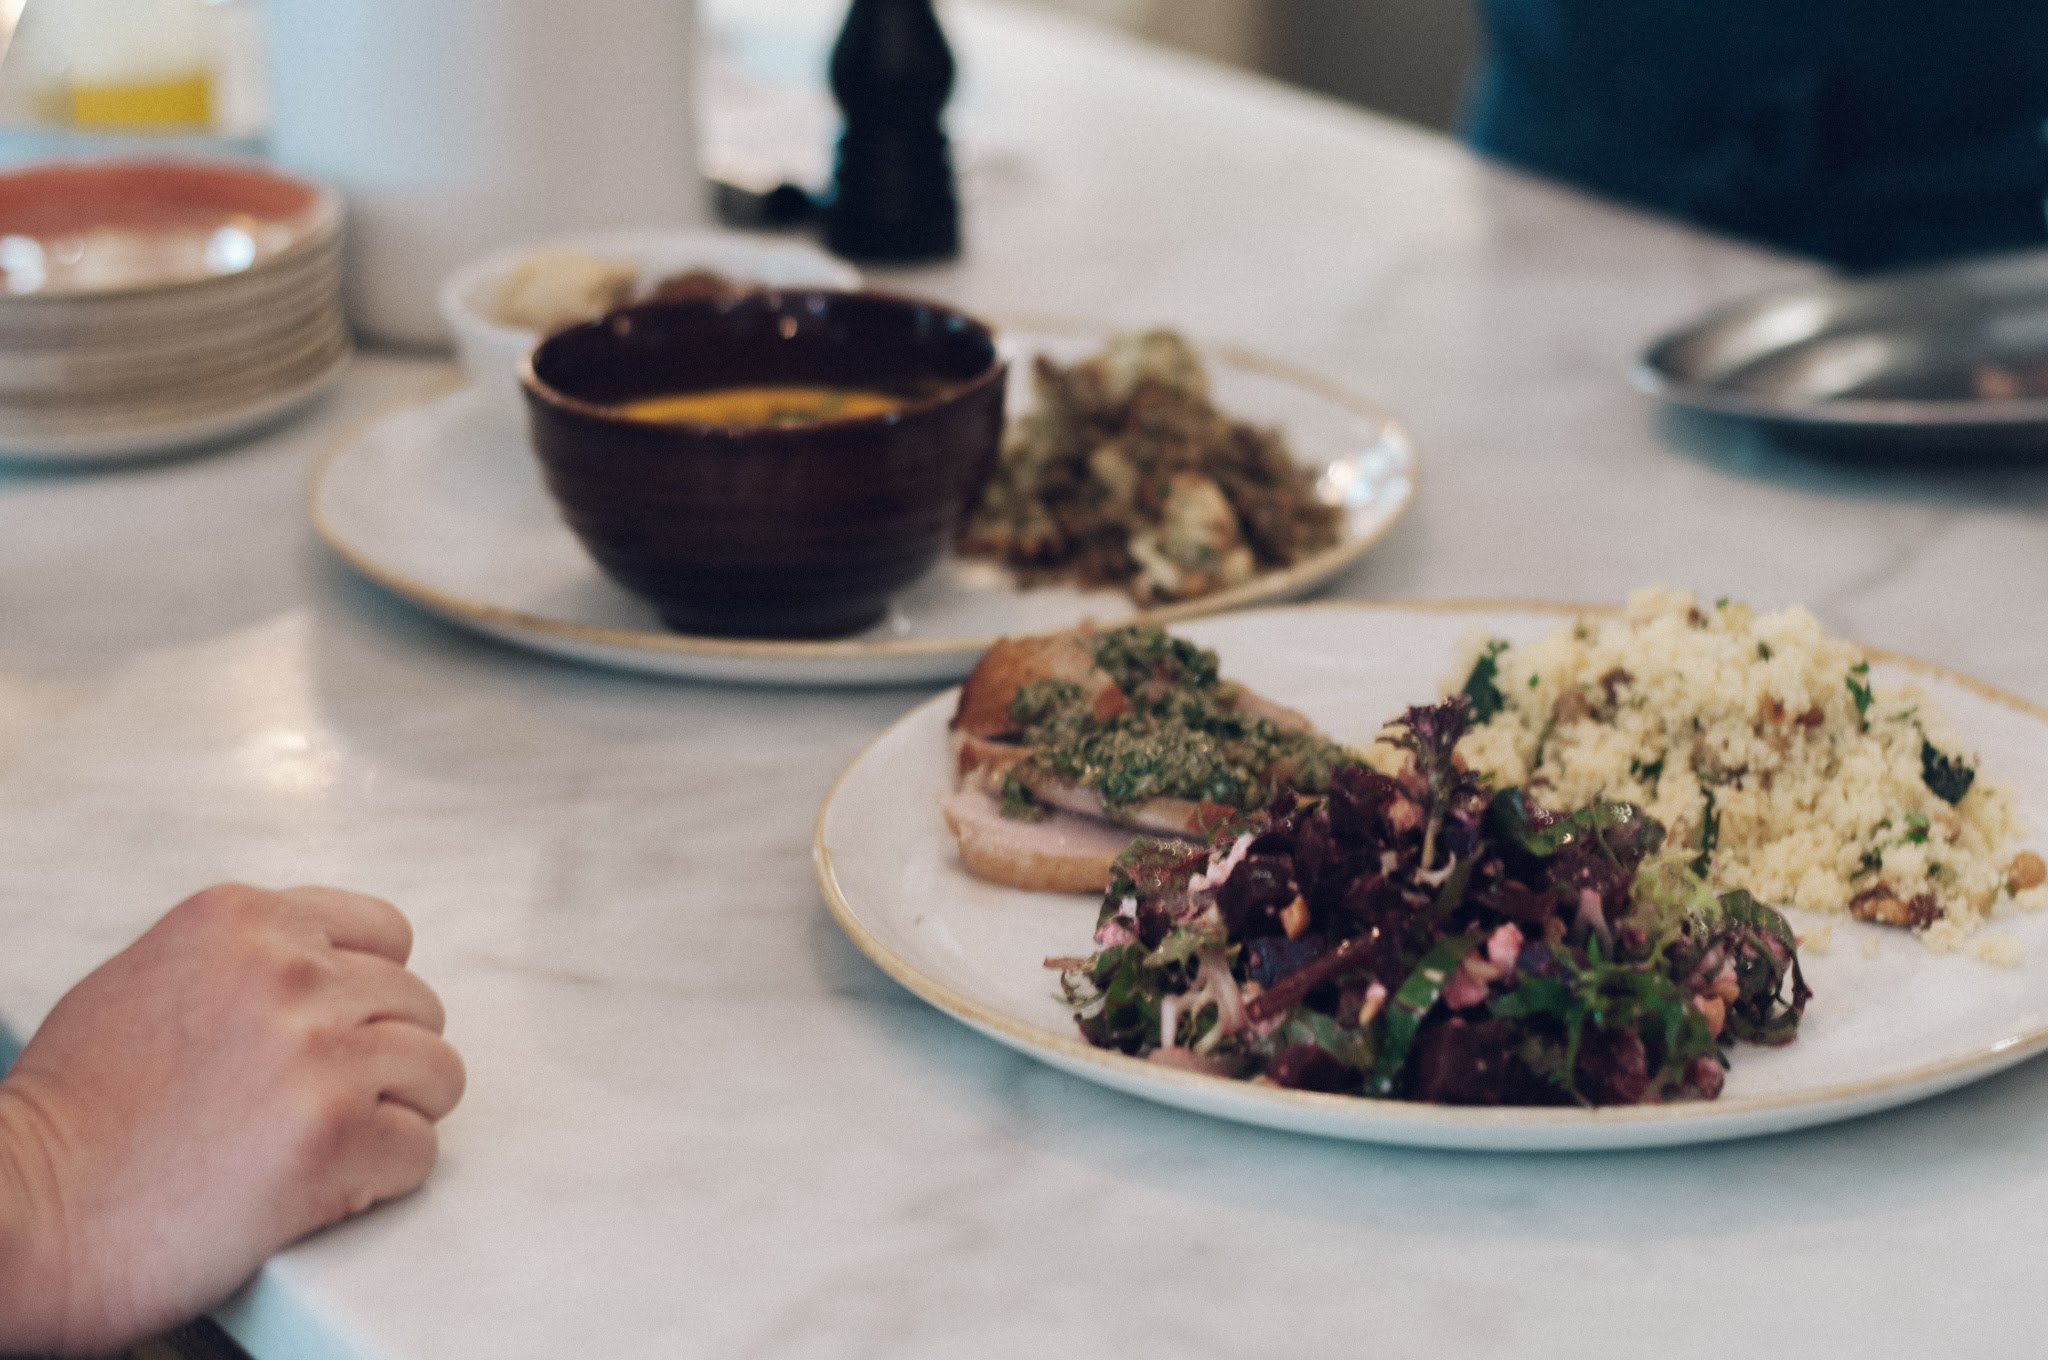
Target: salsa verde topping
1184,736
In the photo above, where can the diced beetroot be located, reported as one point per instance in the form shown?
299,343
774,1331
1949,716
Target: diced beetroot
1577,869
1153,921
1465,1062
1523,905
1306,1067
1613,1067
1254,894
1272,957
1359,798
1315,852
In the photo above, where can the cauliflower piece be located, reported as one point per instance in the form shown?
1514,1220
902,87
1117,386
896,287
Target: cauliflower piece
1159,355
1198,545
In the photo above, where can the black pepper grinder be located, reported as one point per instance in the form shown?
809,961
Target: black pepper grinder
893,198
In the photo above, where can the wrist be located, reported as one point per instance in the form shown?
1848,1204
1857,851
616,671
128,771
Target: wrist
33,1273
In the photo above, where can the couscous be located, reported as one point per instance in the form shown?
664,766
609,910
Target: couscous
1763,747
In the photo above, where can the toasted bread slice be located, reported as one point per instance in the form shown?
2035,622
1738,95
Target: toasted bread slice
1062,853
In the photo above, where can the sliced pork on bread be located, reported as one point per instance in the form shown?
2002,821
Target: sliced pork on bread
1064,747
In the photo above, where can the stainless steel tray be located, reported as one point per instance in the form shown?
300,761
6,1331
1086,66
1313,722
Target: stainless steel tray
1937,358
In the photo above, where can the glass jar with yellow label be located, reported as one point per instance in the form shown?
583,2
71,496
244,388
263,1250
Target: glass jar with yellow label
141,65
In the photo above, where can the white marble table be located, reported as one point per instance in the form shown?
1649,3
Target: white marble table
700,1123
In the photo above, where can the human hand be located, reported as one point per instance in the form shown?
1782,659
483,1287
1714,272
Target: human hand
255,1067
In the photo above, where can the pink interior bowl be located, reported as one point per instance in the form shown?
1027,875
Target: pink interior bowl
86,227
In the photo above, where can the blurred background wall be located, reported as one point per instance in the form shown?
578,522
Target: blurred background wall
1407,58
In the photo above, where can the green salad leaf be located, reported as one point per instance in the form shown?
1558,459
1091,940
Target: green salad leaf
1947,777
1482,685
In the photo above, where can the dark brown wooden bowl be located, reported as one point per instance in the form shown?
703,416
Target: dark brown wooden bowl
768,532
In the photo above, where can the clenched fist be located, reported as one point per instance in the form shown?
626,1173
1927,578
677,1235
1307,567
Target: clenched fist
255,1067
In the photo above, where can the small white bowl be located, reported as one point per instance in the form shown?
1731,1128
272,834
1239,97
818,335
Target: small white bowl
491,352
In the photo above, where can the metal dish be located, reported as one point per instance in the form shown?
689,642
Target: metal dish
1942,358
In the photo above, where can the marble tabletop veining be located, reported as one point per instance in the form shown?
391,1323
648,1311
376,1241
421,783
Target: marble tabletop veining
700,1123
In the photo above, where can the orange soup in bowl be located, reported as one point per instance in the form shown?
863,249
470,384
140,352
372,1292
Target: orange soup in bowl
766,406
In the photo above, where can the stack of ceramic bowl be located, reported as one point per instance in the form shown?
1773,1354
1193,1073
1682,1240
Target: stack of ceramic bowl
147,306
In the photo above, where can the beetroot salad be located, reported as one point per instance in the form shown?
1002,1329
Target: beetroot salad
1422,937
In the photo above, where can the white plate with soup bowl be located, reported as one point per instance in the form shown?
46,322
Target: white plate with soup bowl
444,505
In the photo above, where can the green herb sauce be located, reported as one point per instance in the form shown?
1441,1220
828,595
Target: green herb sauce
1182,737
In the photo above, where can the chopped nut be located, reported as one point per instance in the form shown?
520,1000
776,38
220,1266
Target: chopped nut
1294,918
2027,871
1571,707
1879,904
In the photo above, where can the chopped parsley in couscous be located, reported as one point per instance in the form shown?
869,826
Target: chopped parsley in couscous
1761,744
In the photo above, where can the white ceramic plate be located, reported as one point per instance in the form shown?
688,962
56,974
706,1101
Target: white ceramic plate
1881,1031
444,505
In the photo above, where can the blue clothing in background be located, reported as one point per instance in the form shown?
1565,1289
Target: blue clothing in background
9,1050
1865,132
